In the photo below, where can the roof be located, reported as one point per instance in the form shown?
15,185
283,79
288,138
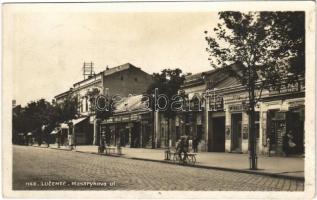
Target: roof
131,103
110,71
62,94
119,68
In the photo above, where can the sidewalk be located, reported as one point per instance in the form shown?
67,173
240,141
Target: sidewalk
291,167
288,167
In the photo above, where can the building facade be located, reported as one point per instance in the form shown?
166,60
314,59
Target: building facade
131,124
216,112
120,81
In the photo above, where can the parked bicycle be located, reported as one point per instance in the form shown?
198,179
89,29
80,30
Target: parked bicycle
181,159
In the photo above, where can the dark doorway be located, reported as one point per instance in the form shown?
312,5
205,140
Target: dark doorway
218,134
296,130
199,132
236,121
135,135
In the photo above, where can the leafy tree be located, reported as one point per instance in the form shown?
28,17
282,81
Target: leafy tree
33,116
265,47
68,109
167,82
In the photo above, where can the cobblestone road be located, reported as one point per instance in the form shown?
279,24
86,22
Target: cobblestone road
33,168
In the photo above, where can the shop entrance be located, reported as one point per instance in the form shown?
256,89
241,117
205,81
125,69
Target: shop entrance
218,134
236,121
295,128
135,135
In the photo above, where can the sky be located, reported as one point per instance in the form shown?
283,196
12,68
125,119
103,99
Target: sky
49,44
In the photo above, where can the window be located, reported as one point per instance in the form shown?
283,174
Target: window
136,79
121,78
86,104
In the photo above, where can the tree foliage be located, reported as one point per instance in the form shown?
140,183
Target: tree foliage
167,82
31,118
269,45
68,109
100,105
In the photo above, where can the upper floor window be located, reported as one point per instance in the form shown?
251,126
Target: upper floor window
121,78
86,99
136,79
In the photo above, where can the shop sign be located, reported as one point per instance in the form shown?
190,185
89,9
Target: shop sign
109,120
117,119
125,118
285,89
296,104
236,107
135,117
240,96
215,103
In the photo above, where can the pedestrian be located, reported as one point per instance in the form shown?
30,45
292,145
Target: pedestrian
195,144
285,144
268,144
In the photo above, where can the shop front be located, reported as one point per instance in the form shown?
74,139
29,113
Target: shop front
283,127
128,130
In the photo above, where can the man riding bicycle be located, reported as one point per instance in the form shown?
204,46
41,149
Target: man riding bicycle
182,147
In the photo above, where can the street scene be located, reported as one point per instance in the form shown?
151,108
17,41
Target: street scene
41,165
176,101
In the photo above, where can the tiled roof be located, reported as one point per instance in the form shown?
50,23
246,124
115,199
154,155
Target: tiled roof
131,103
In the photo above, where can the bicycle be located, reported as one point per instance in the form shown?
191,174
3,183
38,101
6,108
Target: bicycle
190,159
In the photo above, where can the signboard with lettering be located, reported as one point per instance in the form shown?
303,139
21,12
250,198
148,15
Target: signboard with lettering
215,103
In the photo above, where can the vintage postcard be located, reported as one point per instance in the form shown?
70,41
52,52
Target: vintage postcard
169,100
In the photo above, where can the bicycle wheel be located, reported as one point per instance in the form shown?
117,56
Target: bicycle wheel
189,160
193,160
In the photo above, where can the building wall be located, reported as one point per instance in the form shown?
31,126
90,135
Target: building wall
130,81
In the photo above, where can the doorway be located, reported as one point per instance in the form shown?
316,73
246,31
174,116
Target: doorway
218,134
236,121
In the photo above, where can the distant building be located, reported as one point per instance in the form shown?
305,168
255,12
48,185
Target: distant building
118,81
131,125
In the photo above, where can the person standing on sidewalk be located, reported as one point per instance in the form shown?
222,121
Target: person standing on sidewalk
195,144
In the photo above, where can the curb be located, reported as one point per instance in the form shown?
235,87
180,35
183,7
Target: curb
275,175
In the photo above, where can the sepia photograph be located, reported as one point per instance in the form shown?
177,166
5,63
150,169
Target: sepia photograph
163,98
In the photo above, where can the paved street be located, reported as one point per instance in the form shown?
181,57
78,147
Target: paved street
40,168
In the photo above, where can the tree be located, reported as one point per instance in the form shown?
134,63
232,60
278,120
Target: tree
33,116
68,109
265,47
102,106
167,82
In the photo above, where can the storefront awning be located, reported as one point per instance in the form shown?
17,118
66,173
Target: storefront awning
54,132
77,121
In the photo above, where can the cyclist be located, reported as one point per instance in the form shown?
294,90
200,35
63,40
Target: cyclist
182,147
